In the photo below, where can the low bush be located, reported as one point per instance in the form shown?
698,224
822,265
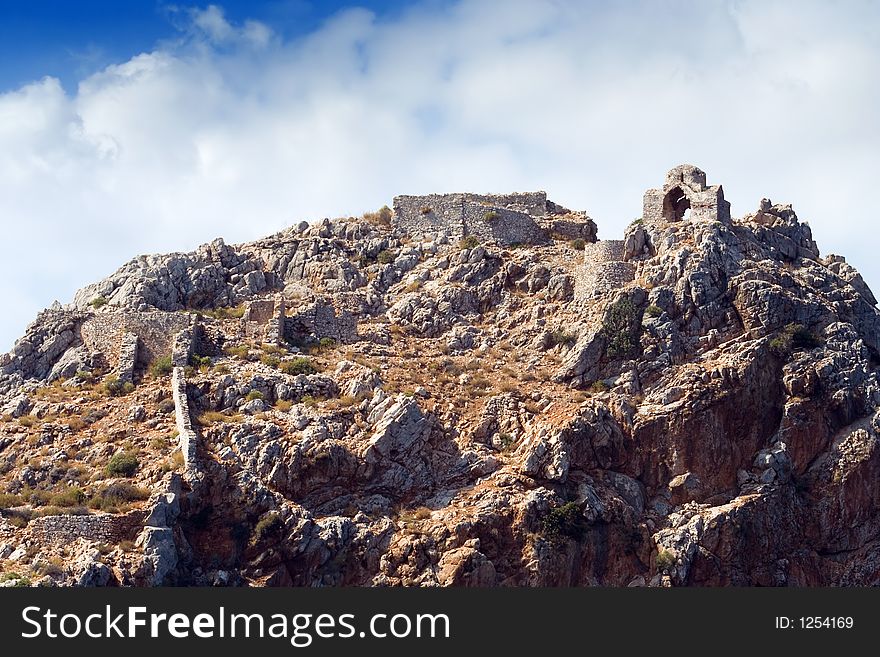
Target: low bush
385,257
492,216
561,337
300,365
122,464
665,559
794,337
238,351
578,244
382,217
267,526
653,311
162,366
113,387
111,497
599,386
73,496
565,521
201,362
619,329
7,500
98,302
223,312
255,394
469,242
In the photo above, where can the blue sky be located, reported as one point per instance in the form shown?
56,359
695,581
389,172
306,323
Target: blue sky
144,127
71,39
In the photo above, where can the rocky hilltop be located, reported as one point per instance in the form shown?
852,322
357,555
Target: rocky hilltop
466,390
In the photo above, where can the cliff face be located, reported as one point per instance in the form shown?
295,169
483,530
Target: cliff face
361,402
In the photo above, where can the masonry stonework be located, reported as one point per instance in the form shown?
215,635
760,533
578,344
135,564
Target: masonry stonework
104,332
187,436
101,527
504,218
685,190
603,269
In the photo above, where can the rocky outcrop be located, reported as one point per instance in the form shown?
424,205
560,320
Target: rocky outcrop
694,404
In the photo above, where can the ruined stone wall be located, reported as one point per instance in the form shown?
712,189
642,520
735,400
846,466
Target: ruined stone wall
459,215
186,433
128,357
499,224
321,320
264,320
101,527
104,332
602,270
706,202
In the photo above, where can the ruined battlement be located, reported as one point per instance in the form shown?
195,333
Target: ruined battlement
685,196
603,269
503,218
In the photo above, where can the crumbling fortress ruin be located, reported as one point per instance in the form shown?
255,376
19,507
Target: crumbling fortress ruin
470,390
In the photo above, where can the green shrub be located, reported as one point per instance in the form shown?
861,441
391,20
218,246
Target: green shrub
619,329
385,257
201,361
270,359
578,244
113,387
239,351
20,581
98,302
255,394
794,337
802,337
599,386
469,242
653,311
122,464
326,343
73,496
115,495
300,365
566,520
162,366
492,216
665,559
8,500
561,337
267,526
223,312
84,376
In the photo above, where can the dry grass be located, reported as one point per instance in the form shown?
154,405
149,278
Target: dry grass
210,418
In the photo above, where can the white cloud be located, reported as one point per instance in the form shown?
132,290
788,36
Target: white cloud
232,131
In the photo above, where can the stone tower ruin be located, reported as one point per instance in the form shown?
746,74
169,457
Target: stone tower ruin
685,195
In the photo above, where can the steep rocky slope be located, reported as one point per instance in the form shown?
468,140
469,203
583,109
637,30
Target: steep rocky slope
361,402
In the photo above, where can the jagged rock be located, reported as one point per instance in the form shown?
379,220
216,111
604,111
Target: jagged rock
439,402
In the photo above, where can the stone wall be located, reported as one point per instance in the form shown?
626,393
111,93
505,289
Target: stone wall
321,320
264,320
104,331
101,527
603,269
128,357
685,189
504,218
187,436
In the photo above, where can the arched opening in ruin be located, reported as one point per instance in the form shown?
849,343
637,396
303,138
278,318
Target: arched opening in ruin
676,205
